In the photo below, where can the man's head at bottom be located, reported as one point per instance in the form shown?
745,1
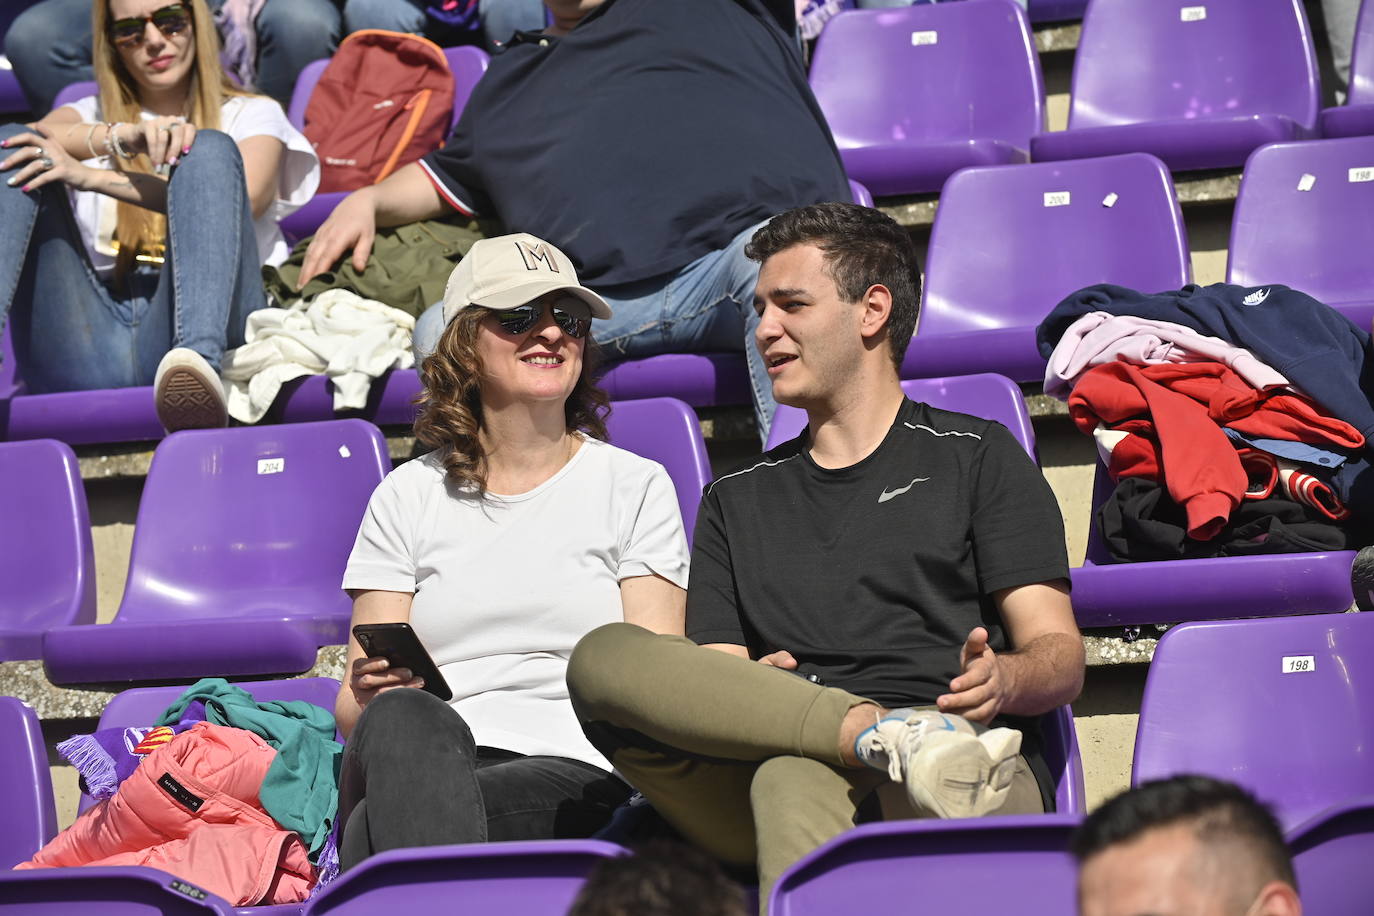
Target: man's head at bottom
1185,846
838,292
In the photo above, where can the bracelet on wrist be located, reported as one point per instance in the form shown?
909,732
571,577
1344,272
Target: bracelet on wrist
118,146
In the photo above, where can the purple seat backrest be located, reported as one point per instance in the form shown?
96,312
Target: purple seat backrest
667,431
991,397
73,91
1064,760
931,865
1009,242
1362,59
132,890
1140,60
1313,234
1279,705
860,194
25,784
535,878
9,373
466,62
46,560
1331,856
251,520
930,73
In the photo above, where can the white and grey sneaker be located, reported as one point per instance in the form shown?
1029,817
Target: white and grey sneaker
188,393
948,768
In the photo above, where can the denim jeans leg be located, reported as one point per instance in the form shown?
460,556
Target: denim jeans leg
291,34
393,15
69,332
408,778
49,46
212,279
540,797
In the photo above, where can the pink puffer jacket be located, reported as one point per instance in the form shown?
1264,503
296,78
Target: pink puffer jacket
191,809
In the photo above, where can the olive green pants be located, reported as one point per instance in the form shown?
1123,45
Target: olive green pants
741,758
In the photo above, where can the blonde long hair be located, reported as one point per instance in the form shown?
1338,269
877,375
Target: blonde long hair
139,230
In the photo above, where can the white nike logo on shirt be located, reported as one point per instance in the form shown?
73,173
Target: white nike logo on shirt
888,494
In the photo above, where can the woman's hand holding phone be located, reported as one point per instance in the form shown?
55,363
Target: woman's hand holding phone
371,676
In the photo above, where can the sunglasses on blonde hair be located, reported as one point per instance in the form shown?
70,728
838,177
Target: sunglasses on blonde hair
523,317
170,20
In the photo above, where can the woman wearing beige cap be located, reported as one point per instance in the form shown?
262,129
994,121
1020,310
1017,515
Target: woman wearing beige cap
520,532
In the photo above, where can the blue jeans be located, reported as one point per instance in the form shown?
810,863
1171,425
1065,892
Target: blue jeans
500,18
705,307
72,332
49,45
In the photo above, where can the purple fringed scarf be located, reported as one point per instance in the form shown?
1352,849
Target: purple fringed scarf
108,757
237,24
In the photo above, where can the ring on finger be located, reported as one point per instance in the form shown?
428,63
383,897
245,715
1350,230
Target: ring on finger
46,162
38,152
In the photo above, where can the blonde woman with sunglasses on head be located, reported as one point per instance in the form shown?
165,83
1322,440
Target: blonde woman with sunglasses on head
135,222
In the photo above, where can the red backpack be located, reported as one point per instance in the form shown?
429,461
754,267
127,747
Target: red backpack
384,100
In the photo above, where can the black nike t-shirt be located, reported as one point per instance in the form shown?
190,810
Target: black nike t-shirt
873,575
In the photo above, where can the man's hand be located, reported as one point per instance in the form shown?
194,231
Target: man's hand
779,659
982,687
352,226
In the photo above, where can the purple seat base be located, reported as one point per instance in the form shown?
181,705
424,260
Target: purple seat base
1056,10
158,650
1331,855
82,417
1005,351
129,891
921,168
17,645
700,379
1348,121
308,219
1183,143
1133,594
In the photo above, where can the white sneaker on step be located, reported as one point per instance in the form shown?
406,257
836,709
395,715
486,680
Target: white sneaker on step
188,393
948,768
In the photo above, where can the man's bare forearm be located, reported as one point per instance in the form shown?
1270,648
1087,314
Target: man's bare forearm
1045,673
406,196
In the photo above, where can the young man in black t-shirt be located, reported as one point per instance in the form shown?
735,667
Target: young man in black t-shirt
907,562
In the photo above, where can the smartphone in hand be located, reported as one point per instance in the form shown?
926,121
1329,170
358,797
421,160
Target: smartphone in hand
398,644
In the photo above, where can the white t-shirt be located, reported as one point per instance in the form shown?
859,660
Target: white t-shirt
241,117
505,586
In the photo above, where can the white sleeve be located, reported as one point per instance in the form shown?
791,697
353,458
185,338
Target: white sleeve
383,555
299,175
86,107
654,542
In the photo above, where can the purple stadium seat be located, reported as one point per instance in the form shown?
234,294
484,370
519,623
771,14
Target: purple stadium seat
1064,760
1280,706
46,562
468,63
537,878
860,194
974,867
131,891
1317,240
700,379
1010,241
390,400
1056,10
73,91
991,397
1198,85
239,548
1356,116
25,785
12,100
913,94
666,430
1331,855
1108,594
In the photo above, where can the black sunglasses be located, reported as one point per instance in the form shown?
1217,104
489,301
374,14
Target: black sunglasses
170,20
523,317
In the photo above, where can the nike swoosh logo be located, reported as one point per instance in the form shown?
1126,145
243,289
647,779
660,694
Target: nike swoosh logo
888,494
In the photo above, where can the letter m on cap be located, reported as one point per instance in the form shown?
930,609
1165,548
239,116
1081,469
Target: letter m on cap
533,253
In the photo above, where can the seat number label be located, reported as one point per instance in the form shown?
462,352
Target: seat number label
1364,174
925,38
1056,198
1299,664
271,465
1193,13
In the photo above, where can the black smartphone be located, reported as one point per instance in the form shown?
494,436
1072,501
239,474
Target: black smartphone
398,644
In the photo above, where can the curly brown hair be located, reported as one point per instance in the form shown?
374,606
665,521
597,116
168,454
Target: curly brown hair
450,416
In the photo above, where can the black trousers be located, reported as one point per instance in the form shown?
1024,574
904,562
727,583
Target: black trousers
413,776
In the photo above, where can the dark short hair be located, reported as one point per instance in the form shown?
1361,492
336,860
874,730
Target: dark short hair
863,247
661,879
1216,810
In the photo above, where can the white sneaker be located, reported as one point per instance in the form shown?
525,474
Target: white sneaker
947,766
188,393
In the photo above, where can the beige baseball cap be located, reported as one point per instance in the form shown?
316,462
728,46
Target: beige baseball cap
511,270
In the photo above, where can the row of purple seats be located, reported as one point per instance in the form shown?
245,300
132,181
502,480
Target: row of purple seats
1122,594
241,539
914,94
